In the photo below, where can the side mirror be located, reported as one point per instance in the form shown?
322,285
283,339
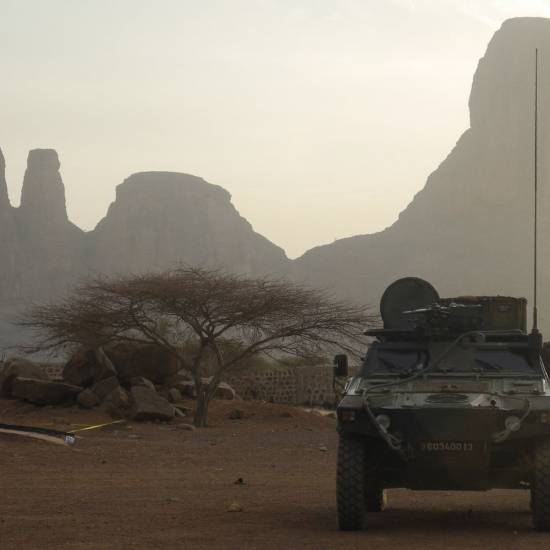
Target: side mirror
340,365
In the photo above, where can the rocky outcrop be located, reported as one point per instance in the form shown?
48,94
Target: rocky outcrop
470,229
43,192
160,218
41,251
52,248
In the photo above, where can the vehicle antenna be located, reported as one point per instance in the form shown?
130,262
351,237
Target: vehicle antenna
535,310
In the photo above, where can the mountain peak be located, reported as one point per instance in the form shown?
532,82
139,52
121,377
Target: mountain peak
43,192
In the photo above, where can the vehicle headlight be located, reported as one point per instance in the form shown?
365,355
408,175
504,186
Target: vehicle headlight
512,423
383,421
346,415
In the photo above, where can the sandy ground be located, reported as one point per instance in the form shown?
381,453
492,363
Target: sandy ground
159,486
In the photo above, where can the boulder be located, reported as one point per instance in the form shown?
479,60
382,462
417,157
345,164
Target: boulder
148,405
174,395
116,403
105,386
223,391
141,381
80,369
87,399
87,367
17,367
44,392
147,361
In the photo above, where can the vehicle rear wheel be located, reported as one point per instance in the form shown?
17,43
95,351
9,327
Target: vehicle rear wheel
350,483
540,487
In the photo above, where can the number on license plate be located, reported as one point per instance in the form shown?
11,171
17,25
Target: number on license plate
444,446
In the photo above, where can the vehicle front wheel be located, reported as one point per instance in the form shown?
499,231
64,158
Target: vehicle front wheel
540,487
350,483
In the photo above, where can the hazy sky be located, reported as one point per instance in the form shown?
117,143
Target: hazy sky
321,117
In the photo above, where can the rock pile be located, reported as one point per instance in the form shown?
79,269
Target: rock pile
140,384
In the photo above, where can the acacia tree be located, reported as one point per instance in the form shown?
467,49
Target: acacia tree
227,318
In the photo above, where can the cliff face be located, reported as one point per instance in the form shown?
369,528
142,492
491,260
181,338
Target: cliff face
470,229
161,218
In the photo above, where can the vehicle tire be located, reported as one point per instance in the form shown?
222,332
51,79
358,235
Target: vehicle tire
540,487
375,499
350,483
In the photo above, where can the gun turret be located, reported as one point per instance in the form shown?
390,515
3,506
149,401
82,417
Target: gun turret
413,305
453,318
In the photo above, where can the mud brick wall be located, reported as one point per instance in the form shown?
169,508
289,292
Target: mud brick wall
312,385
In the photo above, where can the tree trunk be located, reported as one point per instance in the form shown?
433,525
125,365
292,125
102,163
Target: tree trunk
204,395
201,412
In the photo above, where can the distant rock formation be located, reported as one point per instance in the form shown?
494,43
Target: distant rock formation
470,229
161,218
51,247
43,192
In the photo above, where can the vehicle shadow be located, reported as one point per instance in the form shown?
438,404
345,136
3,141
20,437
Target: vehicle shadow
457,518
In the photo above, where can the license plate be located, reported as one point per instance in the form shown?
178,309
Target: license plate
446,446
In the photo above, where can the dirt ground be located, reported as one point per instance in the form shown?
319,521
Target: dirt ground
159,486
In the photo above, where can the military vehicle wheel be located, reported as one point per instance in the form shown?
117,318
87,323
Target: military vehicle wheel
375,499
350,483
540,487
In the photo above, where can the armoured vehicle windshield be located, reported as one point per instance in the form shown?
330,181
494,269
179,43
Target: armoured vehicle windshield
382,360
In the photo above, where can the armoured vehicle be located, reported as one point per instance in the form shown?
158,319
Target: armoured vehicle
453,394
